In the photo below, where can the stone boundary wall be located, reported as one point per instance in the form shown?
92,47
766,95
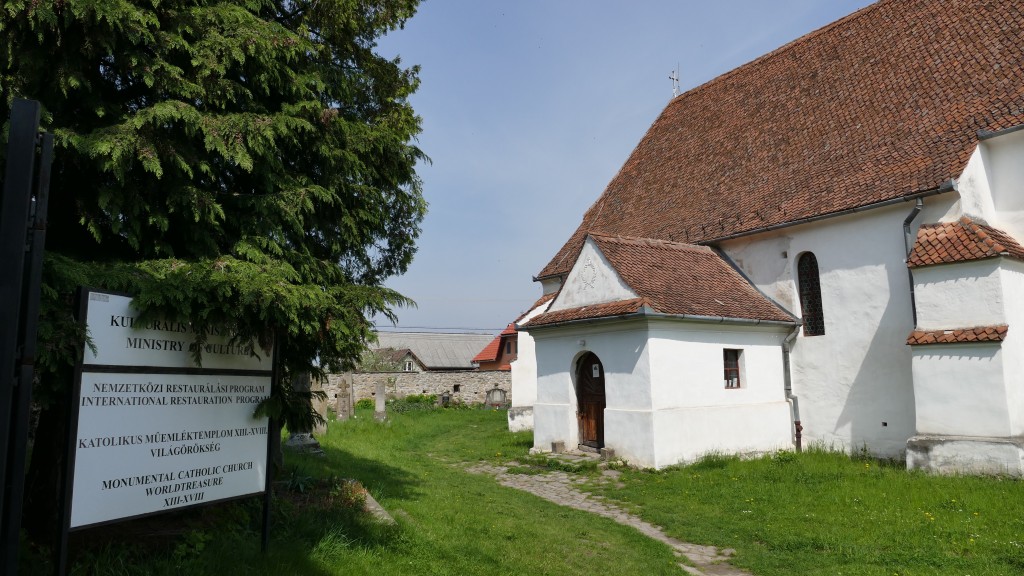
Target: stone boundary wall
472,385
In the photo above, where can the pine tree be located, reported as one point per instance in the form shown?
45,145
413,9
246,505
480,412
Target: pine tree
246,163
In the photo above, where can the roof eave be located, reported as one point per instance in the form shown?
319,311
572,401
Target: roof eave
723,320
989,134
947,186
647,312
1008,255
576,321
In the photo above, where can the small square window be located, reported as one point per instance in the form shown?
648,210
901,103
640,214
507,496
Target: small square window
456,387
408,365
732,367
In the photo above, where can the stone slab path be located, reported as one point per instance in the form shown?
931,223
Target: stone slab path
558,487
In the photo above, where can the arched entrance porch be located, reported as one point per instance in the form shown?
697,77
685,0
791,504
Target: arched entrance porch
590,400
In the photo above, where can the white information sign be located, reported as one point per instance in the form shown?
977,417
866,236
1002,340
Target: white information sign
120,340
155,433
153,442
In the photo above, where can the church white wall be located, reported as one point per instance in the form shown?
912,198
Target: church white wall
549,285
1004,160
633,436
592,280
974,187
524,377
735,429
622,349
969,396
688,364
959,295
666,397
966,455
524,371
766,259
991,186
854,382
960,390
524,384
1012,274
694,413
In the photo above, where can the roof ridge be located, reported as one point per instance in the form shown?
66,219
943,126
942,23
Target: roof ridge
784,48
875,107
650,242
980,231
964,239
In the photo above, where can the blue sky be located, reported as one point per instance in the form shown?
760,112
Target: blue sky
530,107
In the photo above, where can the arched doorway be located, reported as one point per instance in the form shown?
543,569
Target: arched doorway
590,400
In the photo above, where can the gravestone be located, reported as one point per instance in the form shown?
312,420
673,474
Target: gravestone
380,412
495,397
343,404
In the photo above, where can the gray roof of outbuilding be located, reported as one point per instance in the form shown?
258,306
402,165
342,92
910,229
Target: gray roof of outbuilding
437,351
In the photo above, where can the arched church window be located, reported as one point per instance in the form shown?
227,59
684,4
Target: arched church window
810,294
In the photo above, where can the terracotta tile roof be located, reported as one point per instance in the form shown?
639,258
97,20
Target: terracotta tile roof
493,348
978,334
605,310
674,278
490,352
545,299
959,242
881,104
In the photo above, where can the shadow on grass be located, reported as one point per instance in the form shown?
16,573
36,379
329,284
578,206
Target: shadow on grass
310,531
379,477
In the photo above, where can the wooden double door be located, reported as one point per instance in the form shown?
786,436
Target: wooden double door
590,400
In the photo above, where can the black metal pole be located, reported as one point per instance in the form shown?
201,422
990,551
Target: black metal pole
30,324
273,442
67,484
268,494
14,219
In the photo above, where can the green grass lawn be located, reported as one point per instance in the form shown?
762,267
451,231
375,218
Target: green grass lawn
824,513
806,514
455,522
449,521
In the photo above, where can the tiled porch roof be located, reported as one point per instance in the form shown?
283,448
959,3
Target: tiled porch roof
958,336
606,310
961,241
674,279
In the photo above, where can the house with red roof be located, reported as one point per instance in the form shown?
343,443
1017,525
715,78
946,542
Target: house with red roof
500,352
820,246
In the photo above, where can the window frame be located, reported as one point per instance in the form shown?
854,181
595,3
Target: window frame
732,367
808,283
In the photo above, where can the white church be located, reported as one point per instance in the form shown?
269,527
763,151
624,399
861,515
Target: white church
822,246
